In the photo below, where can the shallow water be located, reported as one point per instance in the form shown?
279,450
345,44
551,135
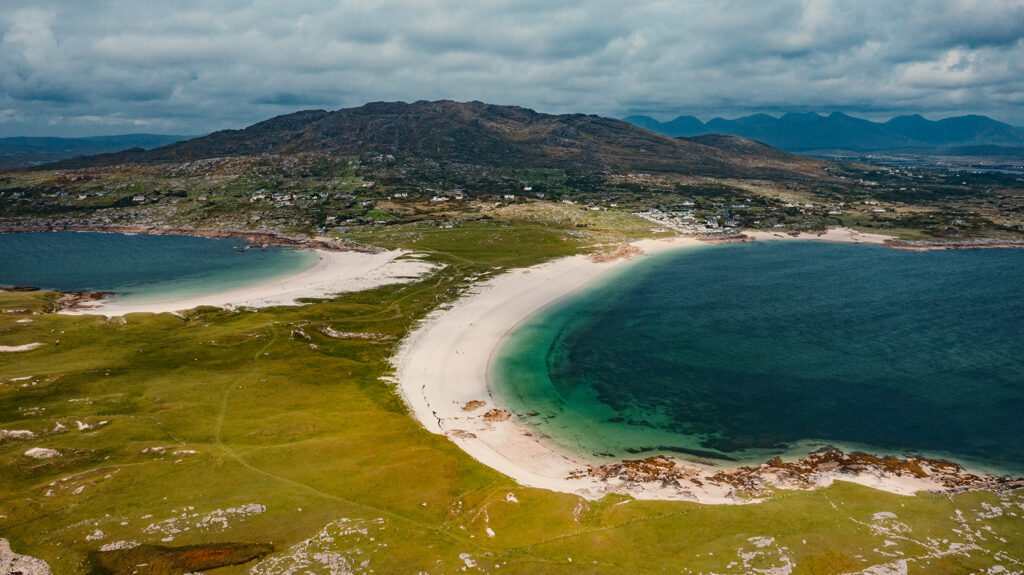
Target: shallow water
735,353
141,267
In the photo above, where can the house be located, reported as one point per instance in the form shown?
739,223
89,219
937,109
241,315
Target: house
527,188
142,199
509,196
439,199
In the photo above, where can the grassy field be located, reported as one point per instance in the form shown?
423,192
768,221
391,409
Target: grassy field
251,441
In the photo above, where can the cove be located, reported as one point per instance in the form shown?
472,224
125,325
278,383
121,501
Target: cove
141,267
732,354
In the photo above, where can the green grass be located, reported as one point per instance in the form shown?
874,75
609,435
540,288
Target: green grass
307,428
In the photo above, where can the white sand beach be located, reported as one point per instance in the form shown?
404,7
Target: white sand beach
444,365
336,272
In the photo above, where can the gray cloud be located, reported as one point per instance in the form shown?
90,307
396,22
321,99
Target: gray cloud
97,66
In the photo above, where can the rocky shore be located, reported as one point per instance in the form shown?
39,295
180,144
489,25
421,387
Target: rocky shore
261,239
68,300
818,469
965,245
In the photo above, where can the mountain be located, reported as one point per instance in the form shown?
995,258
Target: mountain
470,133
837,131
682,126
959,131
26,151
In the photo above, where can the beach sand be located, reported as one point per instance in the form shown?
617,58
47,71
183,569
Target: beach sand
444,365
335,272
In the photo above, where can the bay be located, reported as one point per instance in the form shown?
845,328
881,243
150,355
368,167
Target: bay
733,354
141,267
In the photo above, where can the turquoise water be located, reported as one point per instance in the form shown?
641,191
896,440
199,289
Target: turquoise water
733,354
141,267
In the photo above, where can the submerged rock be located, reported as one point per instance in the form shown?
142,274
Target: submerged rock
496,415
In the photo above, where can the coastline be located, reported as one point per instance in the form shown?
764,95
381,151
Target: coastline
262,239
335,272
442,373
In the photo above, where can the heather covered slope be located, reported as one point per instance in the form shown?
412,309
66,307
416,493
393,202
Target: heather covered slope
471,133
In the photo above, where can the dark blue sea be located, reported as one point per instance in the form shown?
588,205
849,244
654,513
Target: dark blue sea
735,353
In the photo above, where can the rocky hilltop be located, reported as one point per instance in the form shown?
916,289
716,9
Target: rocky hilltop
475,133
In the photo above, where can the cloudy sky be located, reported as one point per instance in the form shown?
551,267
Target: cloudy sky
85,67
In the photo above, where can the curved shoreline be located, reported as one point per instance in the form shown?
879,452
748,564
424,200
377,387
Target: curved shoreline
335,272
341,268
442,372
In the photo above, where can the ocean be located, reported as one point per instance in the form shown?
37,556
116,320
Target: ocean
732,354
141,267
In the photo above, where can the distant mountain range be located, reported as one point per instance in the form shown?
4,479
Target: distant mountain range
27,151
837,131
447,133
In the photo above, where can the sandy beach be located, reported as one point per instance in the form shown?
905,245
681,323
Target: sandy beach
335,272
444,365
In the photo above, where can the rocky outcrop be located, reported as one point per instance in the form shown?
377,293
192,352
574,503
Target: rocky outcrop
496,415
814,470
14,564
965,245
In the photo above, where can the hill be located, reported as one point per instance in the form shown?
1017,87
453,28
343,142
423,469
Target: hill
837,131
27,151
471,133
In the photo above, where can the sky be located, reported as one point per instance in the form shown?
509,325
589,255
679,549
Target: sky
92,67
